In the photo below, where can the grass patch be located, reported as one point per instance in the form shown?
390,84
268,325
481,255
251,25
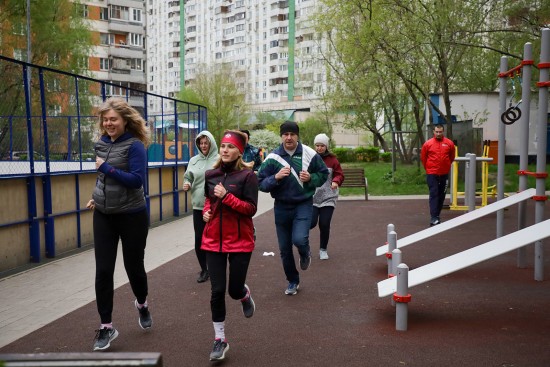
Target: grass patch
410,179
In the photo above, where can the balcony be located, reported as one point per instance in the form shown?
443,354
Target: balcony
120,26
126,52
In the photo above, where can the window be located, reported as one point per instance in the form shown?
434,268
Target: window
104,13
136,15
119,12
135,39
20,54
106,38
104,64
84,10
136,64
54,110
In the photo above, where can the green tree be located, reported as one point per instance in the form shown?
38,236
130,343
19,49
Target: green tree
384,58
59,39
312,126
265,139
214,88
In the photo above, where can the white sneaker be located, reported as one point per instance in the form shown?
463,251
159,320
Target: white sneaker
323,255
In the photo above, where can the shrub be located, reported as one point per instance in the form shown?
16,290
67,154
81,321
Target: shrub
344,155
385,157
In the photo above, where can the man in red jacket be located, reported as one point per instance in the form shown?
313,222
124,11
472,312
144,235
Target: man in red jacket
437,155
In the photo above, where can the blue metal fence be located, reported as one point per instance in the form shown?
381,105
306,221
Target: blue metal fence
48,127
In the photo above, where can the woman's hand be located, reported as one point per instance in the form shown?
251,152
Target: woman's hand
91,204
206,216
220,191
98,162
186,186
334,185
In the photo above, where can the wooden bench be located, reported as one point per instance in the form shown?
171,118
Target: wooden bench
355,177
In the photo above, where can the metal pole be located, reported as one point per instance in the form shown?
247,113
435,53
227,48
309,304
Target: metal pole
390,228
467,181
392,245
525,108
541,148
472,182
396,259
402,308
29,59
501,144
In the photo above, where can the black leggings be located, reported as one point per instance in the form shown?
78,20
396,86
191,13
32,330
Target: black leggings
217,265
132,230
198,226
324,215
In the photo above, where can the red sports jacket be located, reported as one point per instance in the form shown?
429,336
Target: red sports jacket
437,156
230,228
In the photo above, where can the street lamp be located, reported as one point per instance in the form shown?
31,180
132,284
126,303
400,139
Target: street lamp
238,116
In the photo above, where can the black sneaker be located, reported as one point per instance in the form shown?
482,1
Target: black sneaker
103,338
434,222
203,276
219,350
305,261
145,320
248,304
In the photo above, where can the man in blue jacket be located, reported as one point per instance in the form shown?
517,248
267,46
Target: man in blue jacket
291,173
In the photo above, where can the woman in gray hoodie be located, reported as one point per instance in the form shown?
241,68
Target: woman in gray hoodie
193,180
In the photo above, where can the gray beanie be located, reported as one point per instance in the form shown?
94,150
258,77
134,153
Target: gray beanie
321,139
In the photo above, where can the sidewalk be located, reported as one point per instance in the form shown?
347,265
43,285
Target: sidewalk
36,297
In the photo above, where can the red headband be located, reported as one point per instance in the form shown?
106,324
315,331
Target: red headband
235,139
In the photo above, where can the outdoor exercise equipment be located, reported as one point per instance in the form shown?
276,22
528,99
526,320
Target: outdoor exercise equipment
458,221
512,113
470,179
502,244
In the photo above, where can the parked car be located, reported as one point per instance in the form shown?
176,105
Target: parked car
23,156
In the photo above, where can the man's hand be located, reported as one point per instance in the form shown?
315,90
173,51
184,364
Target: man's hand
305,176
283,172
207,215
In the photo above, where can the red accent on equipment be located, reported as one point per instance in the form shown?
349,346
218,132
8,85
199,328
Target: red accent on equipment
543,84
388,255
544,65
540,198
533,174
402,299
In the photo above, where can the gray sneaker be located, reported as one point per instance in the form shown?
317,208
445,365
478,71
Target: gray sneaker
219,350
103,338
292,288
145,320
323,255
248,304
305,261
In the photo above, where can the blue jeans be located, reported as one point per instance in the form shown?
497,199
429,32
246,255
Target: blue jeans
292,222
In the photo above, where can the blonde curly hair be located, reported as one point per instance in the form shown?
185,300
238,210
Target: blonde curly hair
135,123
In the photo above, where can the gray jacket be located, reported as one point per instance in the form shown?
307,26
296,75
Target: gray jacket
110,195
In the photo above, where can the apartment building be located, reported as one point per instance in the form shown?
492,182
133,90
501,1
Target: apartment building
269,45
119,54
